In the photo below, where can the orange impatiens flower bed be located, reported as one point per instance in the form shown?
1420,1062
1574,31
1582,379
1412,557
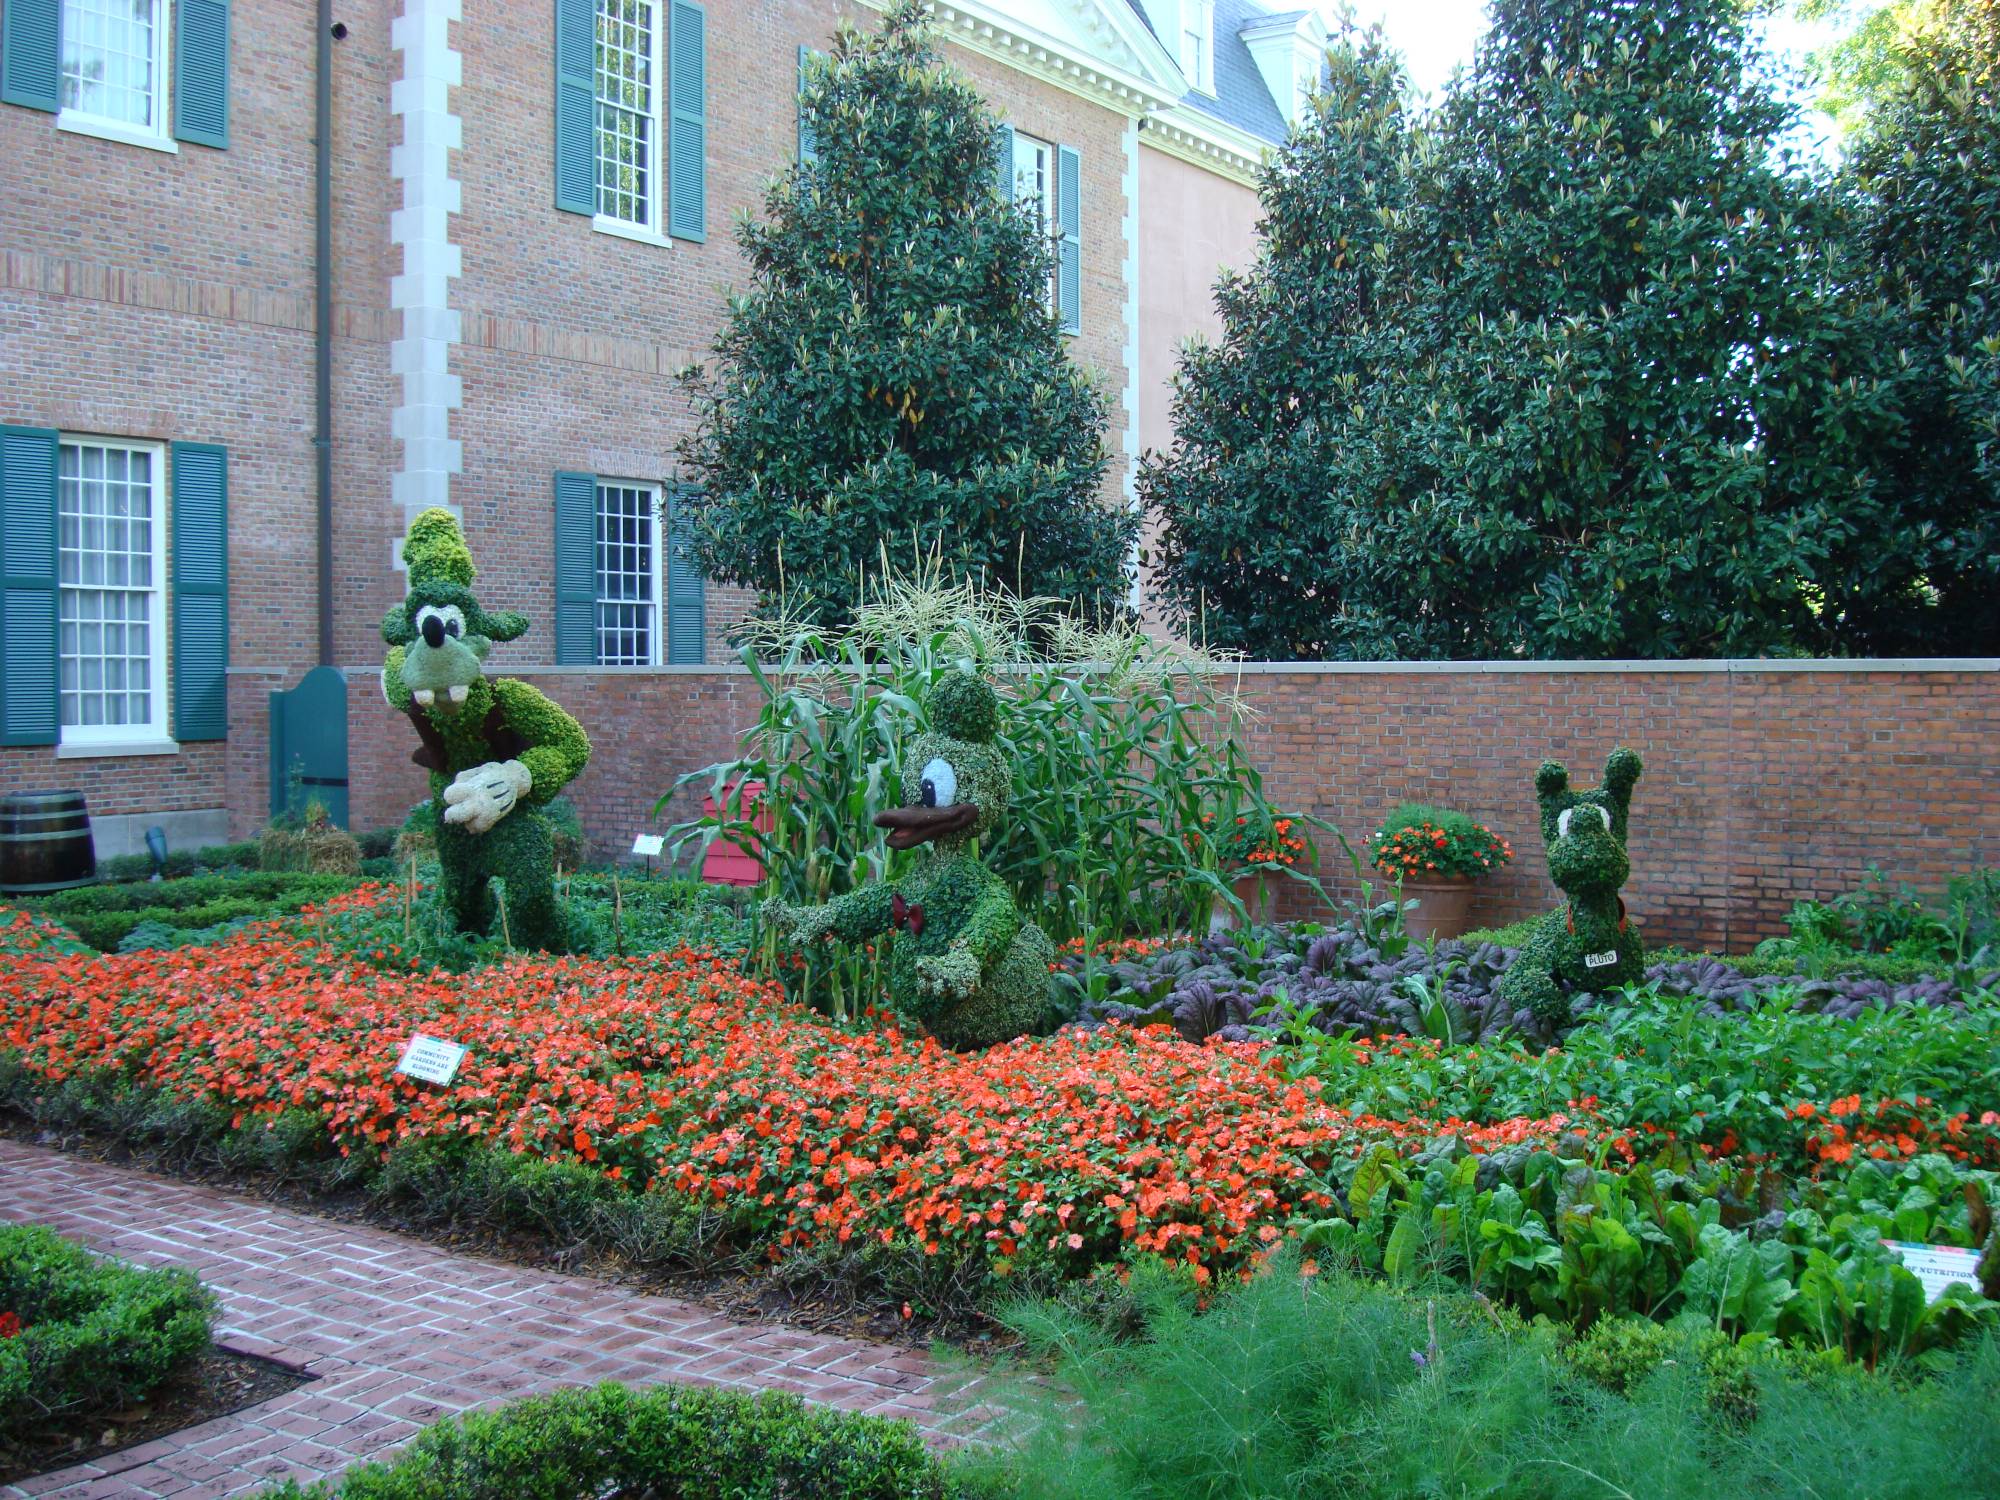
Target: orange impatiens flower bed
677,1073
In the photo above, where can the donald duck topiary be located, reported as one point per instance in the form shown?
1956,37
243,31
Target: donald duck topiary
497,750
966,966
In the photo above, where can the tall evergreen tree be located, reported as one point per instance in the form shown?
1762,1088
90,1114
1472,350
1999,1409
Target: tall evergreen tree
1597,382
1925,167
892,379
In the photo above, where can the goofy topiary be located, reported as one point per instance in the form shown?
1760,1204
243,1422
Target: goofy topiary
496,749
966,966
1587,944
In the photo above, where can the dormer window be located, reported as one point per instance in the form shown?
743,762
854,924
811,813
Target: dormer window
1198,43
1290,51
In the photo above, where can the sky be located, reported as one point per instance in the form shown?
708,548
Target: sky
1437,35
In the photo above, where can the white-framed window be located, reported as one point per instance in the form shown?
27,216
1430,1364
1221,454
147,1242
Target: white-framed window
628,574
1198,43
111,528
114,67
1035,187
631,67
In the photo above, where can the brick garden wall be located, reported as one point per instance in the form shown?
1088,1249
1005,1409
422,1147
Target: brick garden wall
1765,782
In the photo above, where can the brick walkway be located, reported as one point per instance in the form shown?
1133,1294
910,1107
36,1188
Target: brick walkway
400,1333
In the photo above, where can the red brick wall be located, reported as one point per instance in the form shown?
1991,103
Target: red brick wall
1762,787
169,296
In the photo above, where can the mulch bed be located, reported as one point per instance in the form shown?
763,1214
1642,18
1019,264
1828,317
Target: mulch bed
214,1385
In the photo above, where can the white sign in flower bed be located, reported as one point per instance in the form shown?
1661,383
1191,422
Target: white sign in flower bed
431,1058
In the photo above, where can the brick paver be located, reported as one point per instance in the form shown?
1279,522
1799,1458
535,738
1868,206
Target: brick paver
401,1333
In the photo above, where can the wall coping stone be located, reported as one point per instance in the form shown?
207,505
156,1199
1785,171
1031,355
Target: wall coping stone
1734,665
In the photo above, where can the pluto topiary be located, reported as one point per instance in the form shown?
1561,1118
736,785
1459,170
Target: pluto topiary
1586,944
966,966
497,750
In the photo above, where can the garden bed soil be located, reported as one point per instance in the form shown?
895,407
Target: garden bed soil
219,1382
818,1302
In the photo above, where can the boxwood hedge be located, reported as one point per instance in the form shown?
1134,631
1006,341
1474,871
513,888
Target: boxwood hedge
682,1441
86,1334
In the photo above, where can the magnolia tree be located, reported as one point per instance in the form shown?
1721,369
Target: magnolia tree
1925,168
892,382
1572,366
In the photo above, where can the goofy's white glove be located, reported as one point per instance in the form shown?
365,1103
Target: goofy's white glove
481,797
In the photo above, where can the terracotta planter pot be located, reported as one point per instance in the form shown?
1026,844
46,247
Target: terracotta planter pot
1252,888
1443,910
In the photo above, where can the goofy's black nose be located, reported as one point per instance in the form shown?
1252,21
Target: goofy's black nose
433,632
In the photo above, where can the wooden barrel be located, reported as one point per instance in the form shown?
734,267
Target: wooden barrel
45,842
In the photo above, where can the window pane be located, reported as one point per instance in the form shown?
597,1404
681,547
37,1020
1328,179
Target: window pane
108,50
627,109
625,579
105,506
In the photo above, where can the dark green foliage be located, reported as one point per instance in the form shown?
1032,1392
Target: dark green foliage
1513,935
95,1335
106,916
1889,929
1572,367
1336,1387
890,382
639,916
213,859
498,751
1921,169
968,968
681,1441
1586,944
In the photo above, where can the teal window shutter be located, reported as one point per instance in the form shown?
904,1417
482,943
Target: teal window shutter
29,712
1003,163
1069,249
201,72
687,624
687,123
576,106
576,569
808,147
30,73
201,590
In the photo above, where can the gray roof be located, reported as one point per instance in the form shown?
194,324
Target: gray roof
1240,98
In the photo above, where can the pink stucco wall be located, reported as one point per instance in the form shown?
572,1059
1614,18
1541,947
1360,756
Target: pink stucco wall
1192,223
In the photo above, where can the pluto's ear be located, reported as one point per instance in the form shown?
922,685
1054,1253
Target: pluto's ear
1551,781
396,627
502,624
1621,771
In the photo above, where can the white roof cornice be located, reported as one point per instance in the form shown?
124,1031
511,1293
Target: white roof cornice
1207,142
1122,65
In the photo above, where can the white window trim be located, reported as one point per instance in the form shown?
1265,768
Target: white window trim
619,229
1051,205
649,233
116,130
98,750
128,739
655,494
160,137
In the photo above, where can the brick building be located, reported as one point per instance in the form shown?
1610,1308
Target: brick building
233,365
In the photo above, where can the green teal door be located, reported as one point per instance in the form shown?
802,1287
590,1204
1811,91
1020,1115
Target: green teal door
309,744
